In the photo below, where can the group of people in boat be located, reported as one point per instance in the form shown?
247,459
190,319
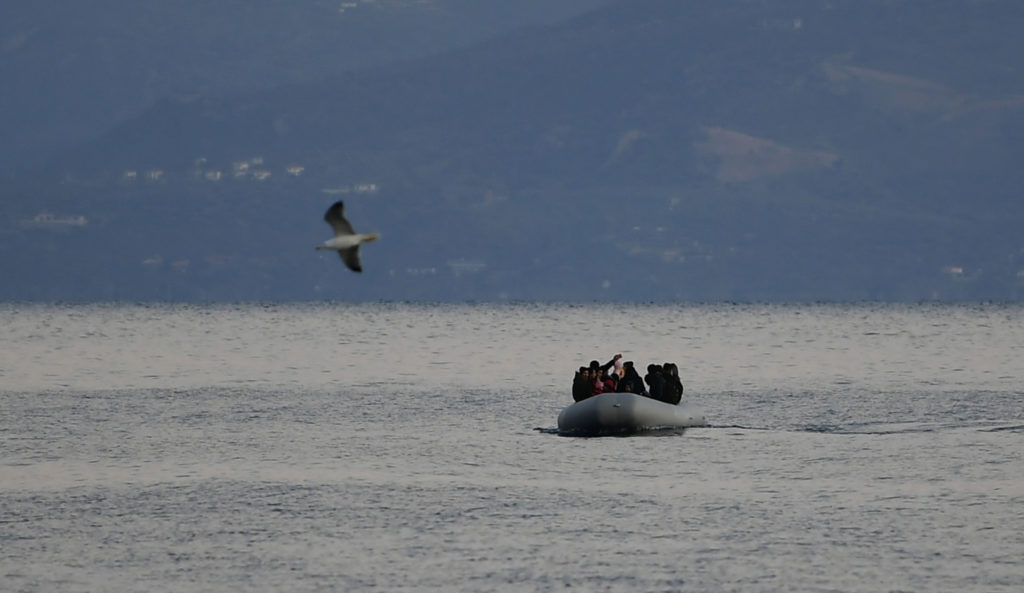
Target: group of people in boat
661,382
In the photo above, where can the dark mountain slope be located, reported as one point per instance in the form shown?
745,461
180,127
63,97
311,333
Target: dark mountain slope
650,149
71,70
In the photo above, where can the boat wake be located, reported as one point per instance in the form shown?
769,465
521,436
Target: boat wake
879,428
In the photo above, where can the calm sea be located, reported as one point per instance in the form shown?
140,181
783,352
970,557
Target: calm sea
395,447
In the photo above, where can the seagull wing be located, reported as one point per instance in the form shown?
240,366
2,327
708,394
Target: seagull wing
335,216
351,258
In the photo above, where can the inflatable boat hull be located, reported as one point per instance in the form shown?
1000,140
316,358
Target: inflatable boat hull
618,413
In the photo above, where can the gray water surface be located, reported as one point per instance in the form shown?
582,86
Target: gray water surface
410,447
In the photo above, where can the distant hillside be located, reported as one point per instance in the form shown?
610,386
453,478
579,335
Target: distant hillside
71,70
647,150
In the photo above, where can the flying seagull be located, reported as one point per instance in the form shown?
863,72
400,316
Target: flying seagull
346,241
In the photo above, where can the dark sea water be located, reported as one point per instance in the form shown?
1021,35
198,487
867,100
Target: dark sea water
397,447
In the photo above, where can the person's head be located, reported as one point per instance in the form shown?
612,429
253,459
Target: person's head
652,368
594,364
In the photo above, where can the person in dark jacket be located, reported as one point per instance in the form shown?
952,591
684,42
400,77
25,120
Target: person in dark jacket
601,369
631,381
582,385
672,385
594,379
654,381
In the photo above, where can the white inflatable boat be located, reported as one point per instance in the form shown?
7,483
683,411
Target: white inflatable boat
623,413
